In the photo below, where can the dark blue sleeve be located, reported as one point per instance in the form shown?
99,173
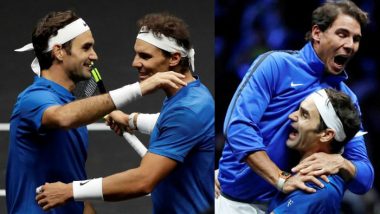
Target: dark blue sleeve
179,132
248,106
33,106
356,152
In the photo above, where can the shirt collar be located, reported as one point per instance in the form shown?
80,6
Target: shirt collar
194,83
318,67
312,59
62,91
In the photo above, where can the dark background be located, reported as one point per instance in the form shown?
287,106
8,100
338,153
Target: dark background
113,25
245,29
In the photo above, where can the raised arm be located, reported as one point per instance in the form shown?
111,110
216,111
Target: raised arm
85,111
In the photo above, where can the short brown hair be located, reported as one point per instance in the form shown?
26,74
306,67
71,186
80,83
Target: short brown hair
348,115
47,27
170,26
326,14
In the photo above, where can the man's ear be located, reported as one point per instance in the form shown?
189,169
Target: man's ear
327,135
175,58
58,52
316,33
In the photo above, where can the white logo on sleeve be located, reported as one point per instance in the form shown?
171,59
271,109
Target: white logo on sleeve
292,84
290,202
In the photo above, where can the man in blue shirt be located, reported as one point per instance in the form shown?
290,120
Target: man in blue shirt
256,124
178,168
325,121
48,139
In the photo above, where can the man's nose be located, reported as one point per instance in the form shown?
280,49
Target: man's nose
136,63
93,56
293,116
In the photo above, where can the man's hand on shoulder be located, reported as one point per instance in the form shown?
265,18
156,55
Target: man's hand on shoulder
322,164
298,181
169,79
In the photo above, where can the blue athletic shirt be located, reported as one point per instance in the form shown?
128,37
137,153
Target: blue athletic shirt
257,120
326,200
37,155
185,133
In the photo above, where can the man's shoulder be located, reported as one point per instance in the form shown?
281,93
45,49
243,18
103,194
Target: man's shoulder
37,96
334,188
35,87
192,109
275,60
325,199
36,92
280,54
196,97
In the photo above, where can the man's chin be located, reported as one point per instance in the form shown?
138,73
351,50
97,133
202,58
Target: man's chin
86,76
291,143
82,78
335,69
142,78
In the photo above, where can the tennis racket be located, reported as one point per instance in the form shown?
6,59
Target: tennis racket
95,86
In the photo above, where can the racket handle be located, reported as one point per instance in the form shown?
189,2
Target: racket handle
135,143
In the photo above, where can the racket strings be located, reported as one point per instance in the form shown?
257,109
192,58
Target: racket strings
86,88
90,87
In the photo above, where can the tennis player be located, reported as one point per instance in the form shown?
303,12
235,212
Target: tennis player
256,125
325,121
48,141
178,168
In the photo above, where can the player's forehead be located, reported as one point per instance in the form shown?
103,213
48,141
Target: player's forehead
145,47
84,38
347,23
309,105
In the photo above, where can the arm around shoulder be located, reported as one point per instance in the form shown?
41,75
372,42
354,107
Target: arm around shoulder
356,156
77,113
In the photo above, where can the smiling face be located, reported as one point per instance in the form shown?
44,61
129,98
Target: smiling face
77,62
337,44
149,59
304,136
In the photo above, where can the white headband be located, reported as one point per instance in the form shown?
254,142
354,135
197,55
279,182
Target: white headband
328,114
64,35
165,43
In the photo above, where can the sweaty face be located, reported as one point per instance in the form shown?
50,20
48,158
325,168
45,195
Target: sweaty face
77,64
304,125
149,59
337,44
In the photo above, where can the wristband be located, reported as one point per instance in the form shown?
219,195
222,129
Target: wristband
88,189
124,95
283,176
131,122
146,122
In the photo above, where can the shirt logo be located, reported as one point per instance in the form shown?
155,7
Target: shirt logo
290,202
84,182
292,84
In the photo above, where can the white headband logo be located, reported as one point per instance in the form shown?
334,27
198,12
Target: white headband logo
64,35
166,43
328,114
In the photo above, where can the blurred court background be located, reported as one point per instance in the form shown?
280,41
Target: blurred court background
247,28
113,24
